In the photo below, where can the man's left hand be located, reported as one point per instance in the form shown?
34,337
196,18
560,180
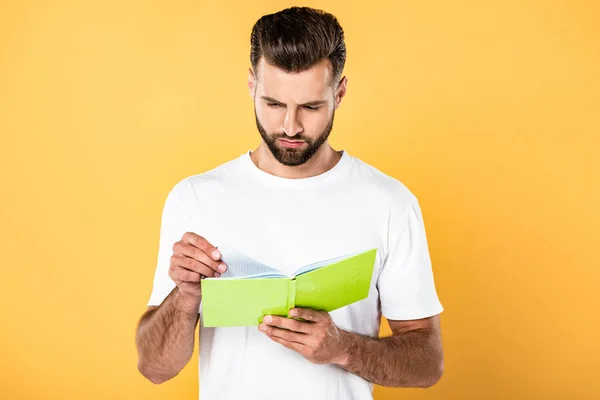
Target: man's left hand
317,338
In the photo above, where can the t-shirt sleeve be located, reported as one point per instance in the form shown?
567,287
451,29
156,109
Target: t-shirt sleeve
406,282
174,223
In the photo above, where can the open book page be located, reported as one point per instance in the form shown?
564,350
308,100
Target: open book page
240,265
319,264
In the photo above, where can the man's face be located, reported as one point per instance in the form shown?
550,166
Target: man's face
294,112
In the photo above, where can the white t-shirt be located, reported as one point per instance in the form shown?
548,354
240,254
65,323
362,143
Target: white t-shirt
288,223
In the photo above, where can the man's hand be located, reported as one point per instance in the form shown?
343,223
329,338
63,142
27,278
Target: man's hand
193,259
317,338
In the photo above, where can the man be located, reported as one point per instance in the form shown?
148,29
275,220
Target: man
292,201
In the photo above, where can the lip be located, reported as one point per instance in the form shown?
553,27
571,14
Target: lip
290,144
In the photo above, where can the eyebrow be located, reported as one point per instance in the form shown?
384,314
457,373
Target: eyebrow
310,103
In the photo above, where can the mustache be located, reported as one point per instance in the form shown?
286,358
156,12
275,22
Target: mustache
283,136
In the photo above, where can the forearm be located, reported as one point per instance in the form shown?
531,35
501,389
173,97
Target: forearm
410,359
165,338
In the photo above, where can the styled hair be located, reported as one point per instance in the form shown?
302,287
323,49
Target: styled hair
296,38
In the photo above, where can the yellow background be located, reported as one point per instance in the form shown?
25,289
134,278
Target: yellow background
488,111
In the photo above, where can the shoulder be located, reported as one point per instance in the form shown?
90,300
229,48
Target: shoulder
209,180
191,192
387,188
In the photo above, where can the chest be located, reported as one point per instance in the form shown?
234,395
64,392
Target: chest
289,229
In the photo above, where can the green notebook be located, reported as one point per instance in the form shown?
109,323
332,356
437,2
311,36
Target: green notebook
249,290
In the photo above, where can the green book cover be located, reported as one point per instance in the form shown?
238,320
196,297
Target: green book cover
249,290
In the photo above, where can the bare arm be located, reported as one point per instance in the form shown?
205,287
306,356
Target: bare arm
411,357
165,334
165,338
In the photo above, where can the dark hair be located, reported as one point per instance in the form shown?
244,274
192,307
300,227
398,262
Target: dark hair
297,38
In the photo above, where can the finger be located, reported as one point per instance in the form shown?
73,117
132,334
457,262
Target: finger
203,244
184,275
289,339
290,345
284,334
288,336
193,252
289,323
181,261
309,314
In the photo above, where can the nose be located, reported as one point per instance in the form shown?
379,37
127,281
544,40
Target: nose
291,124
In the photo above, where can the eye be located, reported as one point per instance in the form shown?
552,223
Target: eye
274,105
310,108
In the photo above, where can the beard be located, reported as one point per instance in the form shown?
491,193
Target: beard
293,157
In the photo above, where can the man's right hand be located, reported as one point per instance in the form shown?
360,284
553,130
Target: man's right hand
193,259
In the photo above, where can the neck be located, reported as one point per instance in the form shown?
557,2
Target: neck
322,161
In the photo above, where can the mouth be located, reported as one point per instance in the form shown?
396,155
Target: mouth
290,143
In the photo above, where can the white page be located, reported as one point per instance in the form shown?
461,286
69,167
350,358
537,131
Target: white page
240,265
319,264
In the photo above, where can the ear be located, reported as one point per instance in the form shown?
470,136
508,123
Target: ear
341,91
251,83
